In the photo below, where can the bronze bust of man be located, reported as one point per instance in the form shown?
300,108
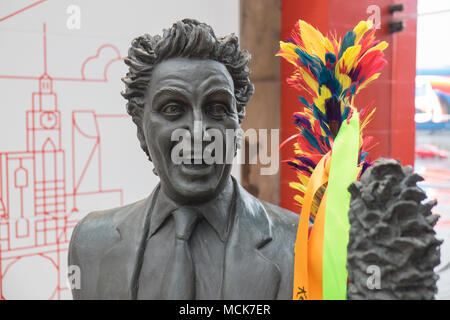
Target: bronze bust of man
199,235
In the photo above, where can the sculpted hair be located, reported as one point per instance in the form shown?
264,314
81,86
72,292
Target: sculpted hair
189,39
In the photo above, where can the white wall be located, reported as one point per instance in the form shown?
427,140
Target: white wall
433,24
33,266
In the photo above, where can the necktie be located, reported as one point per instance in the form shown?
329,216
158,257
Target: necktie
179,279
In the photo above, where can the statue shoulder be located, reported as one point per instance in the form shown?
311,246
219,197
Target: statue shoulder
284,224
280,219
96,231
92,237
280,250
285,220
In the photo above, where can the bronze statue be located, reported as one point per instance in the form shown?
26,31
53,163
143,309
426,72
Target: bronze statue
199,235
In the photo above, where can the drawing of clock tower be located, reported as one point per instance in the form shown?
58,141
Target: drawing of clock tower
44,141
44,119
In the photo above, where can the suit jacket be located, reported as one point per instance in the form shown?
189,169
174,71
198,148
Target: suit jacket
108,247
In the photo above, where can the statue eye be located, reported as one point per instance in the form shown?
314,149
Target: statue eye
173,109
216,110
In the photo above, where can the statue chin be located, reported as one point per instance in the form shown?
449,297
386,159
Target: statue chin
196,185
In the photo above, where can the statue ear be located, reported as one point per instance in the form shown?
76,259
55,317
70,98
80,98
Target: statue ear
241,113
238,142
141,137
135,108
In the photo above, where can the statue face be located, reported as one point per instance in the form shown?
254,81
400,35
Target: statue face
182,92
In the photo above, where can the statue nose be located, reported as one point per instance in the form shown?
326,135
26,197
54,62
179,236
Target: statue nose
198,128
199,133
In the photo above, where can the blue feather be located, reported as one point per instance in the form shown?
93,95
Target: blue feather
330,58
328,78
311,61
348,41
362,79
324,126
318,114
326,141
306,161
312,140
302,121
363,156
303,100
345,114
299,167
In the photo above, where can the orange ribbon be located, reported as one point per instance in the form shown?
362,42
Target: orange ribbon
309,253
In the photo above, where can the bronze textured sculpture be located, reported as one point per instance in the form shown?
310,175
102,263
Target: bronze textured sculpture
392,230
199,235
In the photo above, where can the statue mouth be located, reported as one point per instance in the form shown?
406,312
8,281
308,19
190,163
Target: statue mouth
194,169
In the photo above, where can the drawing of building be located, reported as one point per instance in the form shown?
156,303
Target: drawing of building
37,211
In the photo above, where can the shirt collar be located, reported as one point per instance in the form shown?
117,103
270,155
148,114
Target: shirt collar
216,211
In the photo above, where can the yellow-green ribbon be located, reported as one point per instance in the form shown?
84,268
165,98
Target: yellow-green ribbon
343,171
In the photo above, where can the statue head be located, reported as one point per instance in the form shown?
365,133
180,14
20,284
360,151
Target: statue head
186,79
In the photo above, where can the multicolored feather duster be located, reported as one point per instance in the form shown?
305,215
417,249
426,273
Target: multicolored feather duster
331,71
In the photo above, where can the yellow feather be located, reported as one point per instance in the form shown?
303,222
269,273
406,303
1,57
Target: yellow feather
367,119
344,79
298,199
288,52
329,46
349,58
312,83
325,93
288,47
342,107
303,179
289,58
313,40
366,82
297,185
381,46
361,28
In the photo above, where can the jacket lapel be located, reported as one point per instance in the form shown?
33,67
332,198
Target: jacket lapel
248,274
120,266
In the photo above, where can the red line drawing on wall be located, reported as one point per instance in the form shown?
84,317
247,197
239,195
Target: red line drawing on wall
83,77
37,214
96,56
22,10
